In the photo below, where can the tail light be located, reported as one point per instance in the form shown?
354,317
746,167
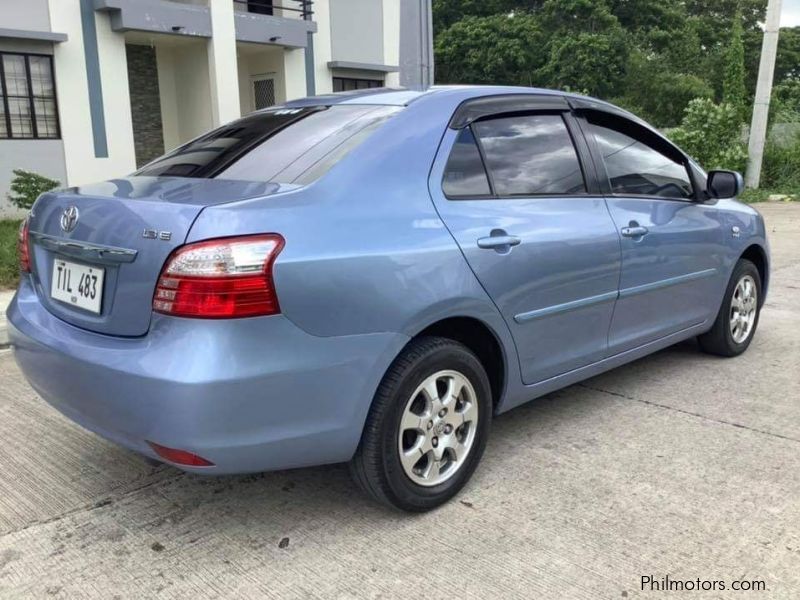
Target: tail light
23,247
220,279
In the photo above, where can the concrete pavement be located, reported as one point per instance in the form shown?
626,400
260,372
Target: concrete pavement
680,464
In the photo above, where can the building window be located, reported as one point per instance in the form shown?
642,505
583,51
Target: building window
345,84
260,7
27,97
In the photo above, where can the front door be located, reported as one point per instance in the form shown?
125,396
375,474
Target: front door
542,246
672,245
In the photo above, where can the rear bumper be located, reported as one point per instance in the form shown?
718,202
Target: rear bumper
247,394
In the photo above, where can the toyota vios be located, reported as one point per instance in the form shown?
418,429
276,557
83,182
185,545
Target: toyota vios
371,276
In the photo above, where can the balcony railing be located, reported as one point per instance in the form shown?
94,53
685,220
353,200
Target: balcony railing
296,8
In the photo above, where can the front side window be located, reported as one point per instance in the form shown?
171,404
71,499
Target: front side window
637,162
27,97
530,155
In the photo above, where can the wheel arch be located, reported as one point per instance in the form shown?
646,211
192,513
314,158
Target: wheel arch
758,256
482,340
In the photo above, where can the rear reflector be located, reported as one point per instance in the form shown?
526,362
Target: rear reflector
180,457
220,279
23,247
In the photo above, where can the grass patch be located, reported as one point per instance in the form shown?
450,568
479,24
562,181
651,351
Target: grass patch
9,263
762,195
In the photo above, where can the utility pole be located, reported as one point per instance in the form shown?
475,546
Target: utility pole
766,73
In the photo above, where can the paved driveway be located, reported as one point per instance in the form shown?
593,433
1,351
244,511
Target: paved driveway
679,465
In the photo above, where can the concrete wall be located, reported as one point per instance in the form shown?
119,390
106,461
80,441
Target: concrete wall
286,65
30,46
72,85
185,92
322,47
267,61
30,15
294,74
224,83
357,30
391,40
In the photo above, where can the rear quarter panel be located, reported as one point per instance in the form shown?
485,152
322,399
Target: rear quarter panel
366,251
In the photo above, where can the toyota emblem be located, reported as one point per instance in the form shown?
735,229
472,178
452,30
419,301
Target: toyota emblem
69,218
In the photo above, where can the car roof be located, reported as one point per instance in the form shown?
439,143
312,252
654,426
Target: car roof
401,96
405,96
459,94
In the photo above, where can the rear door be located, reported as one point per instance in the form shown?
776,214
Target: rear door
673,248
513,191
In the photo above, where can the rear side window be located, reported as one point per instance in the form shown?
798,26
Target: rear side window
530,155
281,145
464,175
637,162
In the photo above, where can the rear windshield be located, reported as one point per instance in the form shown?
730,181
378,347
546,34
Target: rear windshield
295,145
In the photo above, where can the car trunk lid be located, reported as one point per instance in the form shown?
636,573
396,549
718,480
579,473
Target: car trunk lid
122,231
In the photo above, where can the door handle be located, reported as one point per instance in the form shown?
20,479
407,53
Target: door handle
634,231
499,240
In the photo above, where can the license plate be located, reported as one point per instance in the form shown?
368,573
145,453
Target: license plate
78,285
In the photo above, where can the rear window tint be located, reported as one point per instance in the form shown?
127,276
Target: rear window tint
276,145
530,155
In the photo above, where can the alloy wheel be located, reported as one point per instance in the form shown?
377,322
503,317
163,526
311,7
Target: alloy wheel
744,306
437,428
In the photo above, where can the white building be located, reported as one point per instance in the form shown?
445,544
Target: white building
89,89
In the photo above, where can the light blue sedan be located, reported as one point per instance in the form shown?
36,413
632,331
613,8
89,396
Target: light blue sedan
371,276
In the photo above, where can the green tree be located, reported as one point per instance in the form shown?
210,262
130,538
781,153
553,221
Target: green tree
447,12
662,94
27,186
785,105
499,49
651,55
593,63
647,15
561,17
711,134
715,18
678,50
733,85
788,63
586,47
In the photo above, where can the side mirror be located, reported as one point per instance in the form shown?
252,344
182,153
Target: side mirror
724,184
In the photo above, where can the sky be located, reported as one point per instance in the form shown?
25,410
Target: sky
790,15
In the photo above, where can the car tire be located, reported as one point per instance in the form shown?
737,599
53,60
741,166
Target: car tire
736,323
408,457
